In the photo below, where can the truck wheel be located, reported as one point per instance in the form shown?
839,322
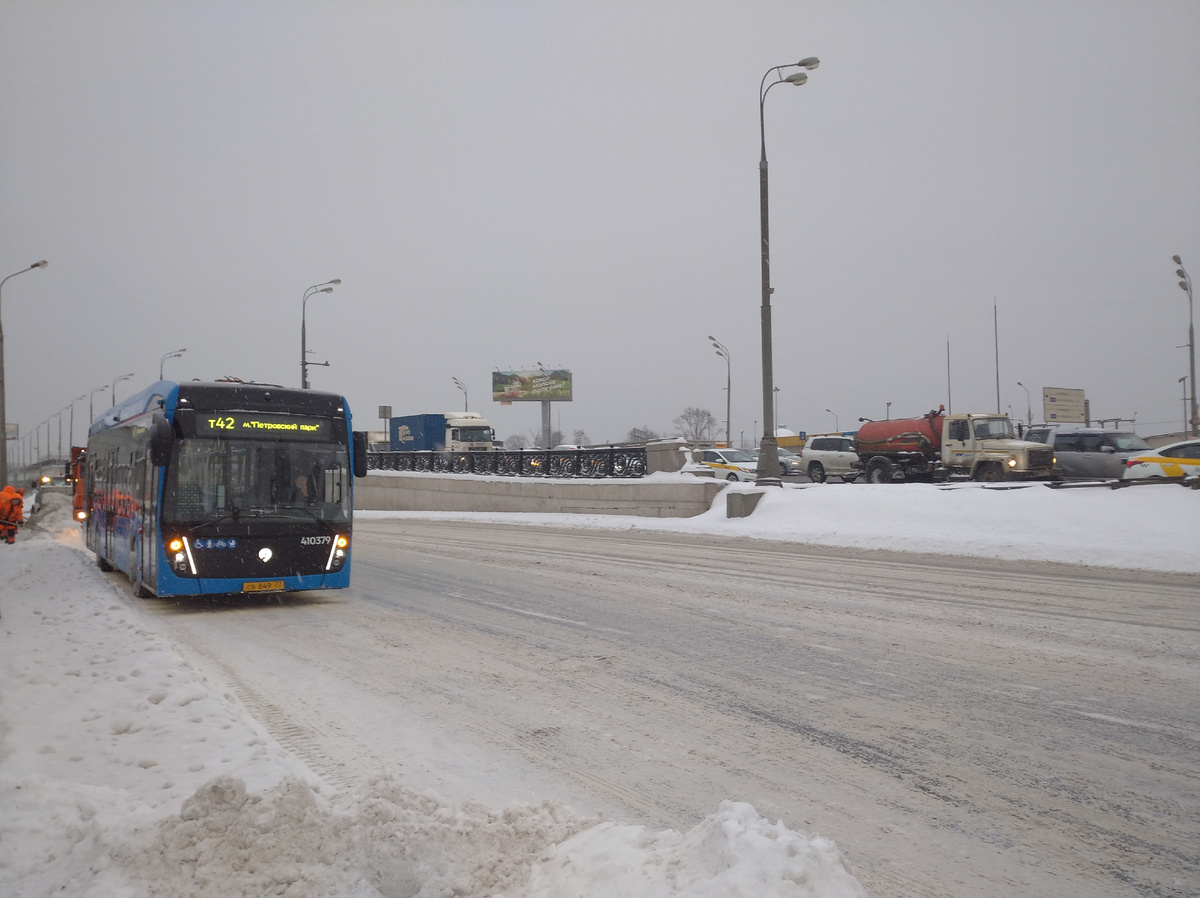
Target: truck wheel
816,472
989,473
879,470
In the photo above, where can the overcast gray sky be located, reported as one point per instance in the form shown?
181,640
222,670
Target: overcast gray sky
507,183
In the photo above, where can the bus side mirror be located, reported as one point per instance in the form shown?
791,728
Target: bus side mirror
360,453
160,441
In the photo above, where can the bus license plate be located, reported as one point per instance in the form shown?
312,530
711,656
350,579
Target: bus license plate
263,586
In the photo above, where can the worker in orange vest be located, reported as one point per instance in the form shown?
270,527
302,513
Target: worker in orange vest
12,512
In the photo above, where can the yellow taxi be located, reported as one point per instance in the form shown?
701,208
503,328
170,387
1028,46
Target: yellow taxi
1174,460
730,464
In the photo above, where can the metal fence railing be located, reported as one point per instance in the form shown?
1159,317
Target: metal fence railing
604,461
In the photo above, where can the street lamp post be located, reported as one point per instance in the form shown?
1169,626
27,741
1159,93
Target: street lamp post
1028,405
888,412
3,419
836,425
326,287
768,455
170,355
1185,284
1183,380
91,397
458,383
723,352
776,391
71,427
59,413
114,386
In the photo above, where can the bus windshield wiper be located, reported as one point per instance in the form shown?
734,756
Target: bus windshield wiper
235,515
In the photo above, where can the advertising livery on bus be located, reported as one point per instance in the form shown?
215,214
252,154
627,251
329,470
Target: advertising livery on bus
225,487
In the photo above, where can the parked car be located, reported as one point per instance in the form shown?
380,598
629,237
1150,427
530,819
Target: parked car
731,464
830,455
1173,460
789,461
1088,453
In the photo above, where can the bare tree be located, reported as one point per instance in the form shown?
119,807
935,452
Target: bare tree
517,441
696,424
535,439
581,438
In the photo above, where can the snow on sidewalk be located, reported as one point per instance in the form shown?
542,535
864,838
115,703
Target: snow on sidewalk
126,772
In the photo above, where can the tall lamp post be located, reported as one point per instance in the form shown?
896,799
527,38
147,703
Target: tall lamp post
1028,405
723,352
768,456
170,355
1183,380
836,425
3,419
458,383
91,403
114,386
326,287
1185,284
58,414
71,426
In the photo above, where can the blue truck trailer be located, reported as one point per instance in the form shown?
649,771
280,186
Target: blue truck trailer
439,432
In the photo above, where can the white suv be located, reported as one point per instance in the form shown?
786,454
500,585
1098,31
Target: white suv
829,455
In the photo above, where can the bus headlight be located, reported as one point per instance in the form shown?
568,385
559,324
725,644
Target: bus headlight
337,552
179,555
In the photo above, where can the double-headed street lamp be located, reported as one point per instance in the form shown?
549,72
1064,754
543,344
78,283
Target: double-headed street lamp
768,456
3,419
326,287
723,352
170,355
1185,284
458,383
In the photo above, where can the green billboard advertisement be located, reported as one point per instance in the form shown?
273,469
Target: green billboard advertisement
531,386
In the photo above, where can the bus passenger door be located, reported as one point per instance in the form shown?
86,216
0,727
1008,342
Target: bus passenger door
107,537
147,537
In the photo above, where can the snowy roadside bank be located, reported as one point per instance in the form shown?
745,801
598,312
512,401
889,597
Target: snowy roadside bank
1154,527
124,771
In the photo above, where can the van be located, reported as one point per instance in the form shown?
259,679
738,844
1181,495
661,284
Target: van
1088,453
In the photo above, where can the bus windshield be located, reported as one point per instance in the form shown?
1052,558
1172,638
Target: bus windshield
209,479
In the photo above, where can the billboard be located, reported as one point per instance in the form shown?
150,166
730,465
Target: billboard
531,386
12,431
1063,405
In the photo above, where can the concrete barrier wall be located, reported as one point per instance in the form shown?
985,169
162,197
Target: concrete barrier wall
393,491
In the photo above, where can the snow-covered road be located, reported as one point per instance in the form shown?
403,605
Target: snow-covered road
957,726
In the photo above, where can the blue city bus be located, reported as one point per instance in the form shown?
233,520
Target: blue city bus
223,487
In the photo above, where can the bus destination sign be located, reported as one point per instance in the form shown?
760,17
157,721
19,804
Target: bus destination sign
256,425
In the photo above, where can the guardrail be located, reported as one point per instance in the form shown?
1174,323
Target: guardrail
604,461
1191,481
